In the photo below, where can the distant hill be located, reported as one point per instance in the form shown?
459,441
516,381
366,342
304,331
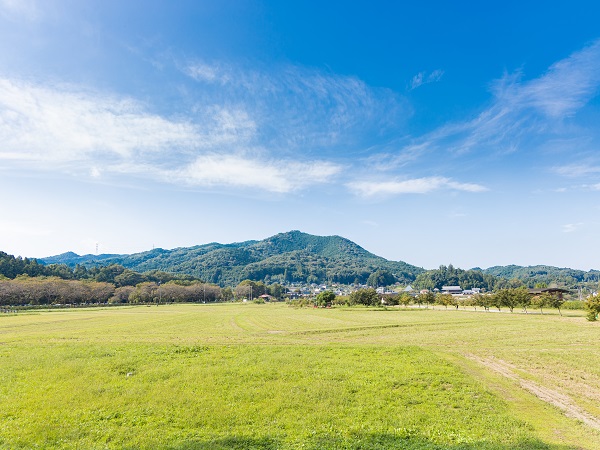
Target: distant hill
531,275
293,256
72,259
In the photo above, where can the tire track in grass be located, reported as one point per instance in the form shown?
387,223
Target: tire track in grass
555,398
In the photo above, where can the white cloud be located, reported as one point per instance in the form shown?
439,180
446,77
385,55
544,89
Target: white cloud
577,170
301,108
417,80
63,124
27,9
207,72
422,78
413,186
521,111
244,172
567,85
571,227
69,129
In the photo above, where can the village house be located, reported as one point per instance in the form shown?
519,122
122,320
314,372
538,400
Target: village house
453,290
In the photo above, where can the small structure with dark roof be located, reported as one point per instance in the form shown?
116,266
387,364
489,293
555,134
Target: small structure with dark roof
552,291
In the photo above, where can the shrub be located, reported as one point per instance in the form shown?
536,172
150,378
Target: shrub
592,305
574,304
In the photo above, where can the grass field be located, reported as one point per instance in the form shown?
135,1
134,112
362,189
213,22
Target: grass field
274,377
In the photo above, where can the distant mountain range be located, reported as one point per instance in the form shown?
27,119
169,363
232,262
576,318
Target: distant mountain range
291,256
297,257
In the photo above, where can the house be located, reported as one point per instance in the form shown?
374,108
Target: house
472,291
453,290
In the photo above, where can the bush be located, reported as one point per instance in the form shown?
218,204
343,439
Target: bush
343,300
592,305
325,298
574,304
301,302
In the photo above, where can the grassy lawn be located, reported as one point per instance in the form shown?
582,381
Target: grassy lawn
274,377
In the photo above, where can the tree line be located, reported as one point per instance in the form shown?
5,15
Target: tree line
24,290
11,267
508,277
511,298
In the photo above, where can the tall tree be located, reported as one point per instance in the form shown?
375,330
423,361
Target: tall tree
366,297
325,298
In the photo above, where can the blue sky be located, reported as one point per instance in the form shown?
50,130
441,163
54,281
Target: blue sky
447,132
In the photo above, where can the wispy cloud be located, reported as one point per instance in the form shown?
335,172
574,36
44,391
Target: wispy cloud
571,227
298,107
520,113
206,72
63,127
61,124
577,170
16,9
413,186
566,87
423,78
279,176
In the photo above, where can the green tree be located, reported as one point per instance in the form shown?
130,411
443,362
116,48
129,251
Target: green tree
129,278
556,301
512,298
592,306
523,297
227,294
381,278
366,297
324,298
404,299
541,301
426,297
250,289
484,301
445,300
276,290
107,274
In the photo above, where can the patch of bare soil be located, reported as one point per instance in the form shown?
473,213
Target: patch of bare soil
551,396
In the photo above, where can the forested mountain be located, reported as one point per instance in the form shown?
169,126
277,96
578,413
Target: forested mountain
72,259
285,257
290,257
532,275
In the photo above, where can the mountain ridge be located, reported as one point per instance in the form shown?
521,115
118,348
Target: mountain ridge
295,256
285,257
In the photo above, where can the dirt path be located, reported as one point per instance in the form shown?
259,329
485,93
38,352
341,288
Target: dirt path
546,394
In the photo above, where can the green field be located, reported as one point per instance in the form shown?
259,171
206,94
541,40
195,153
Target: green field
274,377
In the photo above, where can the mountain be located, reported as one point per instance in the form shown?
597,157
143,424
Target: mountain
293,257
72,259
